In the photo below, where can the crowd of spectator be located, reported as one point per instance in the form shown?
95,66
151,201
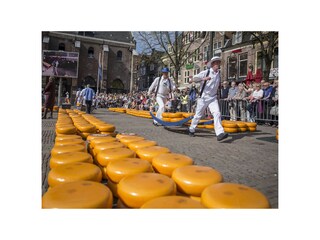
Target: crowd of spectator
256,102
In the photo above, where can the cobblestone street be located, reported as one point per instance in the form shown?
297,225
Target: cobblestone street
249,158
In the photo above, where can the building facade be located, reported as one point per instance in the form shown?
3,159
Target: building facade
104,60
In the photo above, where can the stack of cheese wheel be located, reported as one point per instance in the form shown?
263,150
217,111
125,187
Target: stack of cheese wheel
277,134
242,126
126,140
104,157
67,148
172,202
192,180
73,172
166,117
70,157
78,194
229,126
118,169
65,128
95,141
175,117
232,195
166,163
252,126
148,153
134,146
137,189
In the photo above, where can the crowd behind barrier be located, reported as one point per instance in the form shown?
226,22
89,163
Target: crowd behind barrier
255,102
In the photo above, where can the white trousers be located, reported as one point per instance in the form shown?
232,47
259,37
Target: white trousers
213,105
161,102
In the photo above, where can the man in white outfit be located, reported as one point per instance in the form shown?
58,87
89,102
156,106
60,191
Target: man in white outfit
163,87
210,80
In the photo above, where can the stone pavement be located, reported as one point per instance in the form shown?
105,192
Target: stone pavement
249,158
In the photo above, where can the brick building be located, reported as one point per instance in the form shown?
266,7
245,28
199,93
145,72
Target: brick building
114,51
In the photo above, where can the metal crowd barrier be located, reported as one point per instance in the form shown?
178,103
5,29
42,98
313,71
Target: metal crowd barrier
242,110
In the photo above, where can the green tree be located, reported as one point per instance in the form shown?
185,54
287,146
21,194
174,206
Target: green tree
174,46
268,42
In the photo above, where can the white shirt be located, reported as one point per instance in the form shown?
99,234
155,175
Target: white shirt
164,88
257,94
212,85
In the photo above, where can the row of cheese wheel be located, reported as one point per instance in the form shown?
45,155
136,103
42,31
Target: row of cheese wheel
229,126
110,165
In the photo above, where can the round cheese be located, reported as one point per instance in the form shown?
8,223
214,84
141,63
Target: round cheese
134,146
66,129
68,148
107,139
66,137
73,172
105,127
232,195
172,202
69,141
230,130
79,194
107,145
130,139
192,179
121,135
148,153
104,157
116,170
96,135
70,157
137,189
167,162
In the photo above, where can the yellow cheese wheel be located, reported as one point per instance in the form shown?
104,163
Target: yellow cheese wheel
241,124
186,115
68,148
175,115
191,180
176,119
66,129
107,145
137,189
96,135
105,127
227,124
107,139
252,129
104,157
209,126
130,139
167,162
70,157
121,135
118,169
70,141
121,205
251,124
89,128
79,194
230,129
113,187
148,153
242,129
165,115
232,195
172,202
73,172
65,137
166,119
141,144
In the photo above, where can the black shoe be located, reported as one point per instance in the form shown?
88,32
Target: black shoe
191,134
222,136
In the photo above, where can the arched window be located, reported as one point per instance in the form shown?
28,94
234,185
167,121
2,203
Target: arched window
119,55
90,52
61,47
